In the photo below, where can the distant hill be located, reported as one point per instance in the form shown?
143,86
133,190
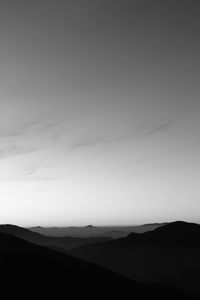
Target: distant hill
35,272
115,233
89,226
170,254
55,242
95,231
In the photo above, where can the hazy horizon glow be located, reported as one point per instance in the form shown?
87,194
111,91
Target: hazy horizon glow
99,112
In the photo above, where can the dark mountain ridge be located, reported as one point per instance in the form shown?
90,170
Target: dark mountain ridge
35,272
169,254
177,233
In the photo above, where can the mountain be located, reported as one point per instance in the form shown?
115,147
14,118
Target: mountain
89,226
21,232
169,254
35,272
65,243
115,233
95,231
175,234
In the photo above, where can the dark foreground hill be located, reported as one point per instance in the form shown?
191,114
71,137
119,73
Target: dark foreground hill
169,254
65,243
34,272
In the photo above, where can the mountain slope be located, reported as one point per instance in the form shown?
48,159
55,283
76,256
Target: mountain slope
169,254
95,231
56,242
174,234
34,272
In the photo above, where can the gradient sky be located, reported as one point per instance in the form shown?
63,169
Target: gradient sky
99,111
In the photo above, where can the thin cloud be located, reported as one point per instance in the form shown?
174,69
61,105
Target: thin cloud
22,139
142,132
18,131
159,129
14,150
139,133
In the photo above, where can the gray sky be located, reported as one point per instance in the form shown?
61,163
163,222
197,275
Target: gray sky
99,111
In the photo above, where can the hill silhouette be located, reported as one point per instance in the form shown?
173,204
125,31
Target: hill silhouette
35,272
89,226
168,254
177,234
95,231
65,243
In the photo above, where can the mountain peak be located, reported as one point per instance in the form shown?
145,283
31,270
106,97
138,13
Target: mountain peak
89,226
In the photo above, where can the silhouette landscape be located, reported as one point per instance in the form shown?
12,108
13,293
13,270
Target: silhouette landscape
168,254
29,270
99,149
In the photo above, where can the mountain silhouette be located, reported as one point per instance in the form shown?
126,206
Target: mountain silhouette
89,226
29,271
169,254
95,231
65,243
176,233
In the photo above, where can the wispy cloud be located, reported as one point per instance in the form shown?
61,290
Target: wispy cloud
12,142
13,150
144,131
158,129
17,131
27,137
139,133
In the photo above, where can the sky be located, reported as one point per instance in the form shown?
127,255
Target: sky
99,112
